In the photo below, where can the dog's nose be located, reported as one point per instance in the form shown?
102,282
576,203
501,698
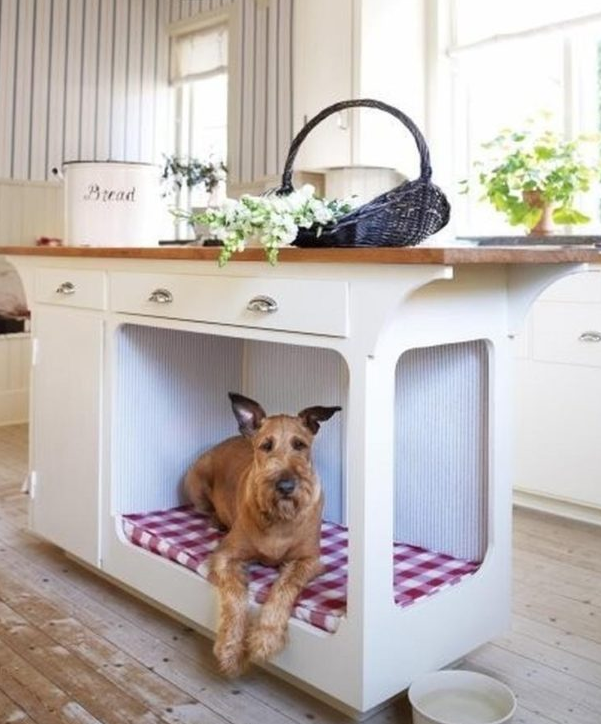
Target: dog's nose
285,487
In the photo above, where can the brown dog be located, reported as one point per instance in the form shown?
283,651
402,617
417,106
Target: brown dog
262,487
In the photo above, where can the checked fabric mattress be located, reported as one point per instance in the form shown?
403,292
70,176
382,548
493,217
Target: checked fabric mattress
187,537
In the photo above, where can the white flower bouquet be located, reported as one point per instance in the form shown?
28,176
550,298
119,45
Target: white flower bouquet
274,221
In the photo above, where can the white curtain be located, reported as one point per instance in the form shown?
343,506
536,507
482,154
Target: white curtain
200,54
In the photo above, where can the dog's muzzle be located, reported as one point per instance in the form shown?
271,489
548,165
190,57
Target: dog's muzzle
285,487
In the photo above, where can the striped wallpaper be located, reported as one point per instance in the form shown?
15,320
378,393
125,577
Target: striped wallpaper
441,430
87,79
172,385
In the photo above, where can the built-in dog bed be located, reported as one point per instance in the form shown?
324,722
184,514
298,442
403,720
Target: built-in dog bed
187,537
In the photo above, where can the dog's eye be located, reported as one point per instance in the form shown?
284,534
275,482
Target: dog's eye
266,445
299,444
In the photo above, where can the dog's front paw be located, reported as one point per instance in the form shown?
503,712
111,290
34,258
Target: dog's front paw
231,658
265,641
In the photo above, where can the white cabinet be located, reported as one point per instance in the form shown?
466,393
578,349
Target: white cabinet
322,74
67,377
353,49
559,396
557,432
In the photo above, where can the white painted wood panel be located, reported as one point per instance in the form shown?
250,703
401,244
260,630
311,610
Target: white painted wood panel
73,79
575,288
19,162
89,287
557,431
260,55
151,27
8,34
121,37
324,308
29,210
133,81
40,93
567,333
57,84
67,465
322,76
102,118
15,352
89,74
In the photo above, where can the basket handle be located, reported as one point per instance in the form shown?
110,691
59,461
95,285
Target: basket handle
425,168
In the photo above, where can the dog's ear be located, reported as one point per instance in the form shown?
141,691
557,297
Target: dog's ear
249,413
312,416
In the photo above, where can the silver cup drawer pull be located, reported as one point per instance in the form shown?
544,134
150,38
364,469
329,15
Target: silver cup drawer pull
590,337
262,304
66,288
161,296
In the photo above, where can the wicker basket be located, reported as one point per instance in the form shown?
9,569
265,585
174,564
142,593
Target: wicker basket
403,216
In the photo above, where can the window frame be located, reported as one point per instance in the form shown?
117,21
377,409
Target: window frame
229,16
446,99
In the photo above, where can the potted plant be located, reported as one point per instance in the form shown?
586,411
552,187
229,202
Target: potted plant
180,171
534,178
192,173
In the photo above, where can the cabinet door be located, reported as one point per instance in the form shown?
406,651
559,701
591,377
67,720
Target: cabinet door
557,431
322,75
66,429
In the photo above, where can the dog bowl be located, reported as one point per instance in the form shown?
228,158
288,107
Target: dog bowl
460,697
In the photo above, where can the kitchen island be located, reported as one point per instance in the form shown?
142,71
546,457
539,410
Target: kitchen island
136,349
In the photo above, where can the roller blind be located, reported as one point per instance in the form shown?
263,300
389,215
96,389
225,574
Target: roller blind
200,54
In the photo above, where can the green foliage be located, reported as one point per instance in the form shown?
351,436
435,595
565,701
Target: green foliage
526,161
179,171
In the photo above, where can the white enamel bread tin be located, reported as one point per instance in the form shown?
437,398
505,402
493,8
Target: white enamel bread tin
111,203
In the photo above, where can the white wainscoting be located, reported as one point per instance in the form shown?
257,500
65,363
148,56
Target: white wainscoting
15,354
28,210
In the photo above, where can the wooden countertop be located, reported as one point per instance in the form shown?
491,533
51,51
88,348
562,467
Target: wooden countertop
382,255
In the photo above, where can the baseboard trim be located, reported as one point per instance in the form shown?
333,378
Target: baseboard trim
557,506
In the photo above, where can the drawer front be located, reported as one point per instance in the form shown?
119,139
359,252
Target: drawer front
296,305
582,287
567,333
71,288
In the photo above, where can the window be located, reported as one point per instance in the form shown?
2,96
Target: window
511,62
200,73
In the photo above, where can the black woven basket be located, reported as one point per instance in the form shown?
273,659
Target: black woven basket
403,216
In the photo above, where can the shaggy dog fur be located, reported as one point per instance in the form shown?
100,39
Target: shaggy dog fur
262,488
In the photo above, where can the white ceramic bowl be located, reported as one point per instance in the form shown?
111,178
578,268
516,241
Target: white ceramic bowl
460,697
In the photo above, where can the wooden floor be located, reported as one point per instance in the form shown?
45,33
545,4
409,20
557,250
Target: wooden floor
74,648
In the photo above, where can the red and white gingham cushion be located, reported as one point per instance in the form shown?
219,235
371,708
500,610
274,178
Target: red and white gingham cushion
187,537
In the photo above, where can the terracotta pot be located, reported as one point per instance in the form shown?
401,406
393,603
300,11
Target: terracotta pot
544,227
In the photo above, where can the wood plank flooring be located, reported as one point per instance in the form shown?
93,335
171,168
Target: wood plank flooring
76,649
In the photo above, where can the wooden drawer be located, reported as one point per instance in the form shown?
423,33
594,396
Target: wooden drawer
567,333
71,288
296,305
